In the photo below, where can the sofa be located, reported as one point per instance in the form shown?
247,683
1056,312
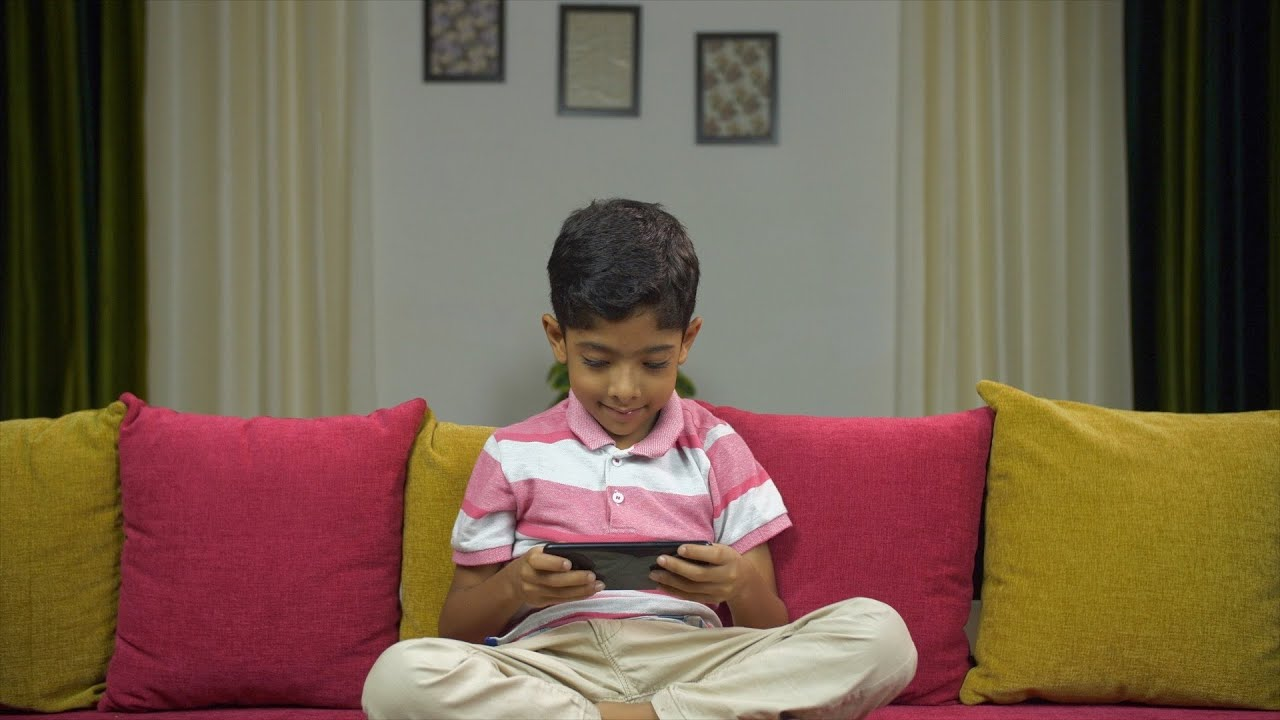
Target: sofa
1053,560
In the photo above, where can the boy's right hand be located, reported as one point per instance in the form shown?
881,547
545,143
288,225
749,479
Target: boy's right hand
544,580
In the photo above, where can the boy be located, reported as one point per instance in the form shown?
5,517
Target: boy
622,459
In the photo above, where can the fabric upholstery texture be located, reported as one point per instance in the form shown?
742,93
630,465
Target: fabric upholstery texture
898,501
1034,711
439,467
1024,711
261,556
59,552
219,713
1129,556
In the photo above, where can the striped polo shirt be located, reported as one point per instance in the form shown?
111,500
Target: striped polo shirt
559,477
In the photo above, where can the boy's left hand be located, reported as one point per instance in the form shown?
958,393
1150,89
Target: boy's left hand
708,574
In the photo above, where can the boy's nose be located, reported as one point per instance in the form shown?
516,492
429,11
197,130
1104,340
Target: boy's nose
623,385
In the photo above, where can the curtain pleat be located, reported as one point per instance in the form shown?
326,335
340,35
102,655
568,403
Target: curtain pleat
259,208
1272,93
1011,203
73,268
1202,129
119,287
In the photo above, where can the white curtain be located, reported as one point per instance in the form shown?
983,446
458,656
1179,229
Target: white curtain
1013,242
257,183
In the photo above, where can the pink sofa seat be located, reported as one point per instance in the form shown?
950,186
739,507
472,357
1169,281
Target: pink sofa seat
1024,711
1036,711
208,714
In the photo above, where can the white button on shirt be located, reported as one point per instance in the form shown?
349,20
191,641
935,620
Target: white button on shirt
617,497
617,461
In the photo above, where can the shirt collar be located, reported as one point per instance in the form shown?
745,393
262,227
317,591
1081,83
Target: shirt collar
661,438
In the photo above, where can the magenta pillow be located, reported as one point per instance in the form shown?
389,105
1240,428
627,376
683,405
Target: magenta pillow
885,508
261,560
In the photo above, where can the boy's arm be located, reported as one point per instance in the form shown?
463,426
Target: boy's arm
479,603
482,598
758,604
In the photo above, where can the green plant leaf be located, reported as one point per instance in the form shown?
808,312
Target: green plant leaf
684,386
558,376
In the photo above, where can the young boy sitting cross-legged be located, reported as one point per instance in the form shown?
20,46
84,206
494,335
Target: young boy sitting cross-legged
623,458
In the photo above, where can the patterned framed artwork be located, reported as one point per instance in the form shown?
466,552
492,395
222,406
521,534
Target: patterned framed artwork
463,40
737,81
599,60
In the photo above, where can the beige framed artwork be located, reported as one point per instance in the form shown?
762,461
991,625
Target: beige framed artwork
737,88
599,60
463,40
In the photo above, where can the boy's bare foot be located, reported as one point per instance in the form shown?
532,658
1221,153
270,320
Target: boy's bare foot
626,711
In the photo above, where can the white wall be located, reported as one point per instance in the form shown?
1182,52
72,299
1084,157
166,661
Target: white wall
472,181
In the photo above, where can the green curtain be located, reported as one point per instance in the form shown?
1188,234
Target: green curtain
72,265
1204,232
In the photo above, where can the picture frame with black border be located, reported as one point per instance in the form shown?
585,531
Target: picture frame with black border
599,60
464,40
736,99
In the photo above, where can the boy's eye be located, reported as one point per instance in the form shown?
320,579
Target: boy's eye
656,365
593,363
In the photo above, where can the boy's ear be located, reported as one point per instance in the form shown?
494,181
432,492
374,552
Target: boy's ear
690,334
555,336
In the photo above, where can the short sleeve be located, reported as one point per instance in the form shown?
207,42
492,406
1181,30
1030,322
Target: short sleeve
747,508
484,531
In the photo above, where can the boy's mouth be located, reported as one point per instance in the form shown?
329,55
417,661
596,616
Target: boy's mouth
621,413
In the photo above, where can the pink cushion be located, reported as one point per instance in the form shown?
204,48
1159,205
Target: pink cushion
261,559
886,508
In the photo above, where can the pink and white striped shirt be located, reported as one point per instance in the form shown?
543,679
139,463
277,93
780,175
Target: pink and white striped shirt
559,477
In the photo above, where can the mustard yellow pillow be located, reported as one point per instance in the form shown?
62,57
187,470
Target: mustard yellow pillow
60,542
439,467
1130,556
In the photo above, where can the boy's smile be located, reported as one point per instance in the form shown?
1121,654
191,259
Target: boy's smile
622,372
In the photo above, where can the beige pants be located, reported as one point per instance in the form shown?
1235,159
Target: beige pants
841,661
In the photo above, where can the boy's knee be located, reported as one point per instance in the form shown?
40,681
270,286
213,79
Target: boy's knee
882,633
390,663
896,654
402,669
382,686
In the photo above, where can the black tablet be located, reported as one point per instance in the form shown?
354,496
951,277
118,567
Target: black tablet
621,565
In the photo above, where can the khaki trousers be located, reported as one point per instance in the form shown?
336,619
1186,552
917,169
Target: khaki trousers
840,661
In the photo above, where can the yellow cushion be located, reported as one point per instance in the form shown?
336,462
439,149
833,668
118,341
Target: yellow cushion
439,467
60,542
1130,556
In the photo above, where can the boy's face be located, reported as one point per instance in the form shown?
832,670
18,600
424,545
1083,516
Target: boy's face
622,372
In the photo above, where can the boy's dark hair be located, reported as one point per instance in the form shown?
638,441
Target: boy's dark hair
617,257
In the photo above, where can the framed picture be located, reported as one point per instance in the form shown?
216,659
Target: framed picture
599,60
463,40
737,81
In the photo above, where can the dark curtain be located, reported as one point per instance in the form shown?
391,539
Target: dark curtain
72,265
1204,231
